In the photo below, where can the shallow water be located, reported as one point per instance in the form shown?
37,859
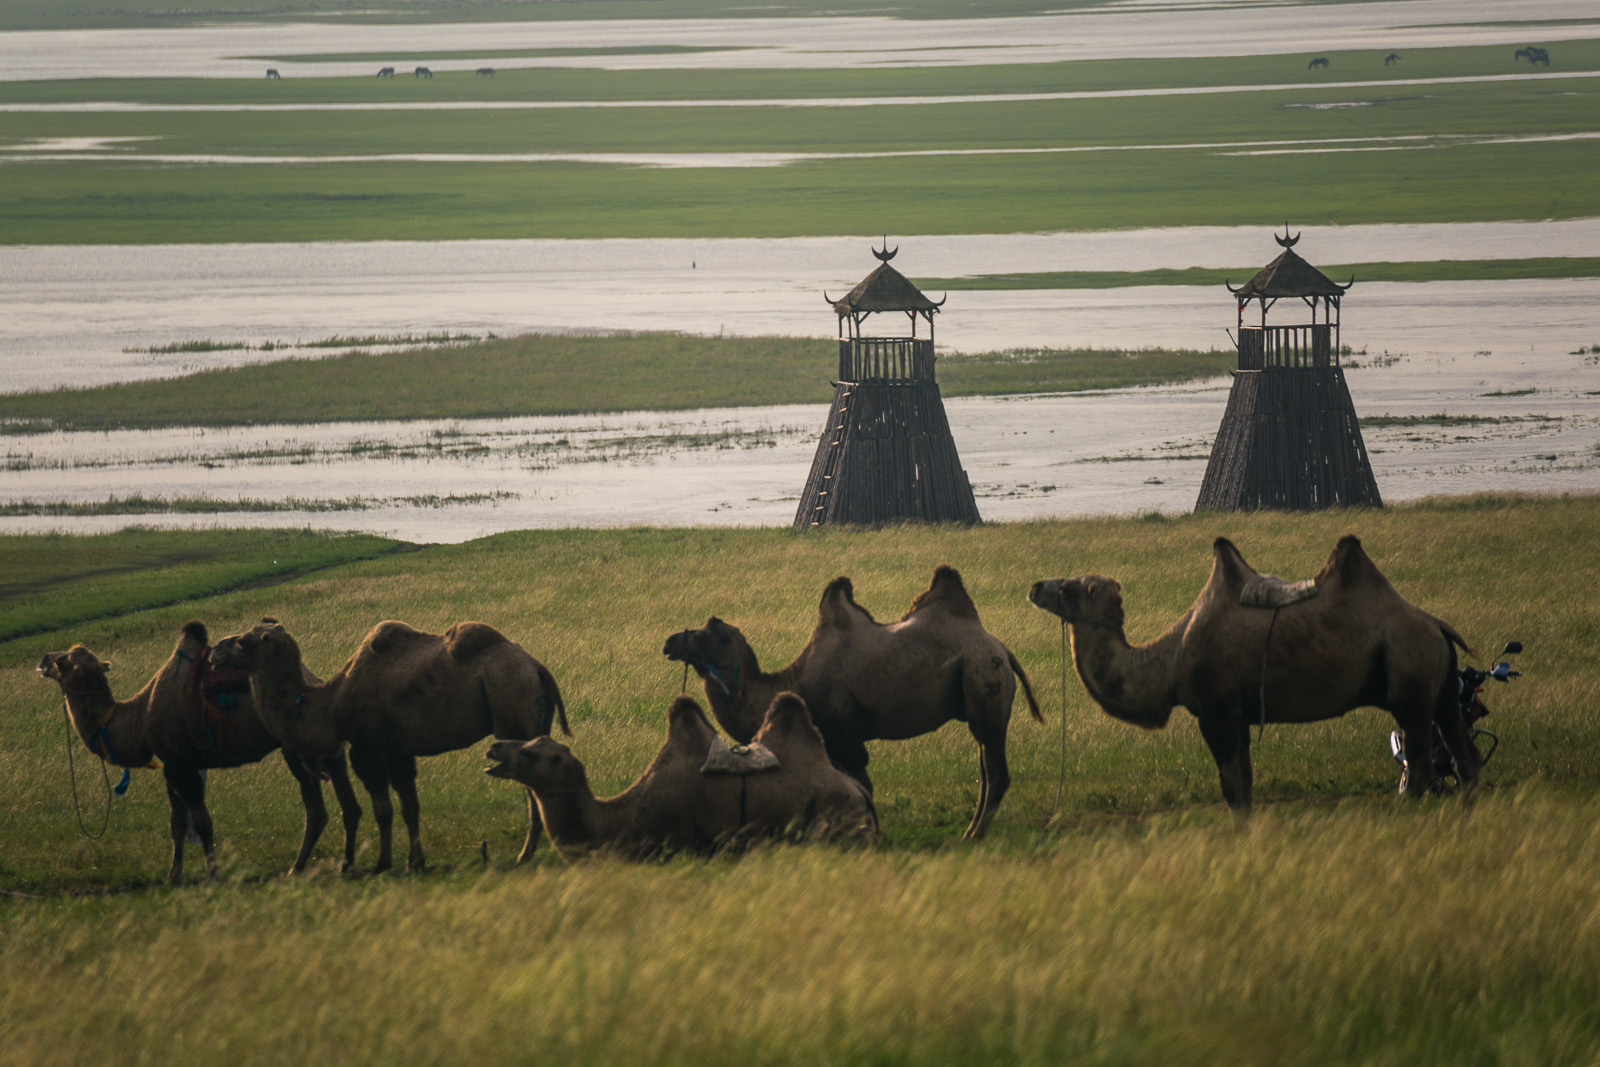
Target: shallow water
825,42
72,312
1118,452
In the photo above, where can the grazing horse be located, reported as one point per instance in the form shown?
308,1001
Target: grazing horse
386,72
485,72
1391,59
272,73
1320,61
422,72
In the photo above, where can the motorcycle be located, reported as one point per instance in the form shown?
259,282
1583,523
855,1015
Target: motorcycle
1469,681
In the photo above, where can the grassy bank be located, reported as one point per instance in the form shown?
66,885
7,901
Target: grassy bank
1338,926
541,374
1453,151
1443,270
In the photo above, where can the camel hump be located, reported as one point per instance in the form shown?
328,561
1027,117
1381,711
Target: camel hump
1349,567
1228,563
388,635
945,590
685,719
467,639
195,630
838,607
788,727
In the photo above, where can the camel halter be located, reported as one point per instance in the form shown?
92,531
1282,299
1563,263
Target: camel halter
72,771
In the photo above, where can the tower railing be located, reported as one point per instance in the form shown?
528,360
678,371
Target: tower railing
885,359
1294,347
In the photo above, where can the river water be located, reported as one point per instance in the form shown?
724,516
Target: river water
1124,31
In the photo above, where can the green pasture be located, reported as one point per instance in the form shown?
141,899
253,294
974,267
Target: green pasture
1435,153
1139,925
560,374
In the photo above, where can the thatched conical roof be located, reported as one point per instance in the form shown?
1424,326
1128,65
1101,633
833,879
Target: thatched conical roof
1289,275
885,289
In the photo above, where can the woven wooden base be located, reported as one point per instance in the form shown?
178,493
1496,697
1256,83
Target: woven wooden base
1290,440
886,455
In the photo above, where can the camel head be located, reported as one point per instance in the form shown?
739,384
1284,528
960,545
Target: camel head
543,765
265,645
77,671
715,651
1087,600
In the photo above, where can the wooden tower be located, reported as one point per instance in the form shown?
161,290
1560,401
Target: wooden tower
886,453
1289,438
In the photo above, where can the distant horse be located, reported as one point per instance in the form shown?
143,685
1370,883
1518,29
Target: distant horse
422,72
1391,59
485,72
1320,61
272,73
386,72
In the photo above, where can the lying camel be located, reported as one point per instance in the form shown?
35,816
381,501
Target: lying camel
191,727
676,806
401,695
1355,642
864,680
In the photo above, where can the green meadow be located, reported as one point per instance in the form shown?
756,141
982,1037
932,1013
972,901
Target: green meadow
1134,922
1443,152
545,374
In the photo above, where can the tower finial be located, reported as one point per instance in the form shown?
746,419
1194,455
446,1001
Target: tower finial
886,255
1286,241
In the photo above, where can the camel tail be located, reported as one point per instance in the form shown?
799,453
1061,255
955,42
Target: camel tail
1451,637
1027,687
549,681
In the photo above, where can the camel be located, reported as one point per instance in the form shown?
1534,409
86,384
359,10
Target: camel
191,727
401,694
864,680
677,806
1355,642
1319,61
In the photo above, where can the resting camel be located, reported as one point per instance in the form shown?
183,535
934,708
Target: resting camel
400,695
864,680
1355,642
676,806
191,724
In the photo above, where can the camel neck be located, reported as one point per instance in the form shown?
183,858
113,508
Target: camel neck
111,729
1131,682
740,708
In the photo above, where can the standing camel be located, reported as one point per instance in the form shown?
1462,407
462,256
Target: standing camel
1354,642
191,727
864,680
401,694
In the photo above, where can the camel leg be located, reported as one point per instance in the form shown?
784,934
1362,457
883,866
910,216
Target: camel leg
186,795
1229,741
311,799
349,807
996,780
373,770
1453,728
403,770
849,753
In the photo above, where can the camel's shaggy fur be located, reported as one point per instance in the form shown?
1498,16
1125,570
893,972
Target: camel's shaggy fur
402,694
1358,642
167,721
864,680
675,807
